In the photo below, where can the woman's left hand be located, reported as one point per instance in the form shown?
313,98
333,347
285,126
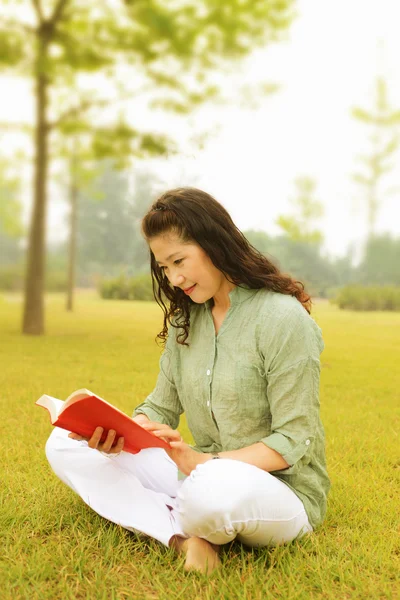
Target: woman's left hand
181,453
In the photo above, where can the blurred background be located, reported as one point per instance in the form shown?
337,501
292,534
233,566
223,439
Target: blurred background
287,112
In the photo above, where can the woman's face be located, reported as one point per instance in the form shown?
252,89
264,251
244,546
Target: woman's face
188,267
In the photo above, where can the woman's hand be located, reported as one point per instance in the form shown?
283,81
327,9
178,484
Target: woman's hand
106,446
181,453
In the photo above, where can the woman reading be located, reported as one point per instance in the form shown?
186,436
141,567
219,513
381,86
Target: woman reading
241,360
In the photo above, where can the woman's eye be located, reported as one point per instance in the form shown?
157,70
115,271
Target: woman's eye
178,261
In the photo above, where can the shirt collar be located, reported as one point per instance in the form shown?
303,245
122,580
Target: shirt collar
237,295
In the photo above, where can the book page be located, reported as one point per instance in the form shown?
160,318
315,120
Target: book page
84,393
79,394
53,405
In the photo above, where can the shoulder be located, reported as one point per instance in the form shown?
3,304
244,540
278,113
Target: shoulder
278,307
284,319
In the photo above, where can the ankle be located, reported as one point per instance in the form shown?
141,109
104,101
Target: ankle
177,543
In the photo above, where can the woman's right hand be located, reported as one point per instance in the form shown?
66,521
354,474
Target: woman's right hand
106,446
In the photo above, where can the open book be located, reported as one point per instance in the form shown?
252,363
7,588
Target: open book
83,411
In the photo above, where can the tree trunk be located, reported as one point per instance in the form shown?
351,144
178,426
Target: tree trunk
33,318
73,198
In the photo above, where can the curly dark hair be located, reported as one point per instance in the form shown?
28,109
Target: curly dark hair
197,217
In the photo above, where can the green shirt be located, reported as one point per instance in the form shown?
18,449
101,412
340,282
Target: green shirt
256,381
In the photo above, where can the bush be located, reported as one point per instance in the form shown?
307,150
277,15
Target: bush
141,287
127,288
358,297
12,278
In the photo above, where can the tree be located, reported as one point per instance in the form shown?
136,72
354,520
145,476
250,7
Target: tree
105,227
83,164
109,236
380,263
171,46
11,226
303,261
299,227
144,185
383,122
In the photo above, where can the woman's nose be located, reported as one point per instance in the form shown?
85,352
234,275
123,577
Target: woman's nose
177,279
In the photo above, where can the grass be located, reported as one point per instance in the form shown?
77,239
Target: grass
54,547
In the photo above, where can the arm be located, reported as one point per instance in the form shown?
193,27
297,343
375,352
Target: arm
187,459
292,371
259,455
163,404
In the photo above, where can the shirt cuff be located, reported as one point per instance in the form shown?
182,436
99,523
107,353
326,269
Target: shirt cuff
151,414
290,450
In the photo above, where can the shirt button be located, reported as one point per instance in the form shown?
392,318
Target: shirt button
208,403
308,442
208,372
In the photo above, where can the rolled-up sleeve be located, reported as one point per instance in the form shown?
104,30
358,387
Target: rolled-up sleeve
293,389
163,405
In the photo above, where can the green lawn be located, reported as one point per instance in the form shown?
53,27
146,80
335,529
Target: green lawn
54,547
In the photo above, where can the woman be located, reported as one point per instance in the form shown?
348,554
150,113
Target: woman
242,361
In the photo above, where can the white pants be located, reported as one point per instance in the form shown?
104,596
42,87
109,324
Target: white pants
221,499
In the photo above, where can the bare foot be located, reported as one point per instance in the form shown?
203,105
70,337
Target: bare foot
200,554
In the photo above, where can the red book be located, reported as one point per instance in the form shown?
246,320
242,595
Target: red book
83,411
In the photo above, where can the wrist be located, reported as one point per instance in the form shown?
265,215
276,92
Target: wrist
211,456
201,458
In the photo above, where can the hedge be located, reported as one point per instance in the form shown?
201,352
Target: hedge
127,288
358,297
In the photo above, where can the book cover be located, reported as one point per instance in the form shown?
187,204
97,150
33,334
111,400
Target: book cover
83,411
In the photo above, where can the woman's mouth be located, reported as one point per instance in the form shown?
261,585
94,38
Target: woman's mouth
188,291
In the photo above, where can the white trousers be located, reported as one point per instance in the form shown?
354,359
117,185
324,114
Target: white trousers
221,499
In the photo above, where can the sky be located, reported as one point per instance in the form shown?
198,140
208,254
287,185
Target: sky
328,65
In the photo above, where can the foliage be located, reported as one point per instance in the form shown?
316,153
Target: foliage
11,277
358,297
383,123
169,48
109,237
127,288
10,205
104,230
299,227
11,226
381,261
304,261
54,547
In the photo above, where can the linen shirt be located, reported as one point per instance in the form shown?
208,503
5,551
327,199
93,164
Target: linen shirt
257,380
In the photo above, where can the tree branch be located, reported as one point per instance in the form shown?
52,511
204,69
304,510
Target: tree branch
86,105
38,9
57,13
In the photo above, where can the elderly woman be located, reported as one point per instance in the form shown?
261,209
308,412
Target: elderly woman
241,360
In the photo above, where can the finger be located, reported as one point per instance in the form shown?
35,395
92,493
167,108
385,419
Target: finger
95,439
108,442
118,447
168,435
150,425
75,436
178,445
